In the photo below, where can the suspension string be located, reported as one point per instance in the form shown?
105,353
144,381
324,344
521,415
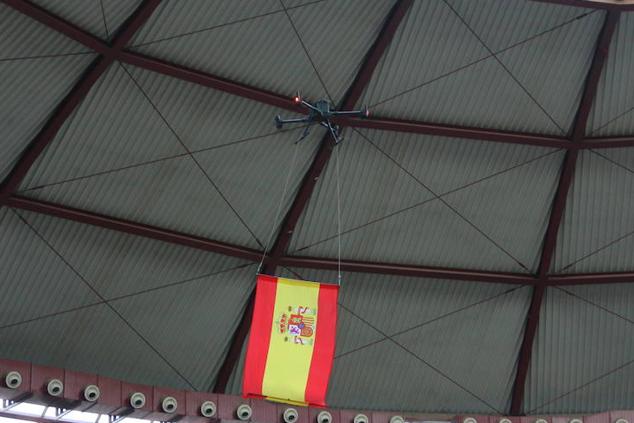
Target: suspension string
276,221
337,147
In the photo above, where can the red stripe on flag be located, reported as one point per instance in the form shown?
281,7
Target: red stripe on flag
324,347
260,337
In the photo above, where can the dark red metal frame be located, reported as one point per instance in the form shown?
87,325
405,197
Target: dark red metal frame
110,51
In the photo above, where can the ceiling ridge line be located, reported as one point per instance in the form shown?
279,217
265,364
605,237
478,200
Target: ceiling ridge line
577,134
191,155
422,203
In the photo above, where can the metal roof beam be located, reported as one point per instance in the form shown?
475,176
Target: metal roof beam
371,59
209,80
443,130
615,5
591,278
396,269
608,142
559,204
66,107
282,101
132,228
408,270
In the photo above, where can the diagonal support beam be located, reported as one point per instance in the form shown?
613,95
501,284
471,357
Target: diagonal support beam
81,88
559,203
385,36
132,228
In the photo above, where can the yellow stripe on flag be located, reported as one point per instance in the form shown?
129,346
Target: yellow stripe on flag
288,362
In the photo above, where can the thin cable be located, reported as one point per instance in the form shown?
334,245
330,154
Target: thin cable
276,221
338,217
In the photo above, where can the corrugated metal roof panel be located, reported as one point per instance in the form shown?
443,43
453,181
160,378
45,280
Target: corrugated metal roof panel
446,322
23,37
166,292
35,281
408,225
31,89
418,52
206,118
253,177
436,90
32,79
514,209
614,102
100,17
338,36
114,127
371,188
174,19
263,52
192,324
576,344
117,264
599,215
172,194
504,23
93,340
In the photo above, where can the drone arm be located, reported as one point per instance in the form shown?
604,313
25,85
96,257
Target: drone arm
295,120
310,106
359,113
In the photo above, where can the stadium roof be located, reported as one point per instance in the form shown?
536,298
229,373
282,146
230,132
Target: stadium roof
487,205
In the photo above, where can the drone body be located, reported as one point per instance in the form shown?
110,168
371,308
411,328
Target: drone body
321,112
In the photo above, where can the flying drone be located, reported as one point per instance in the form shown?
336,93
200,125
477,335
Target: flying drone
321,112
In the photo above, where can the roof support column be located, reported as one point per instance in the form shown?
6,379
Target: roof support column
557,210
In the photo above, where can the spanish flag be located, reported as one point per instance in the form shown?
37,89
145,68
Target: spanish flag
292,341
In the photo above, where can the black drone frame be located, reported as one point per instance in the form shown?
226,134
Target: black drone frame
320,112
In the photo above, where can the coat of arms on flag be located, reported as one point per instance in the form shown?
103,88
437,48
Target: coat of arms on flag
292,341
298,325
